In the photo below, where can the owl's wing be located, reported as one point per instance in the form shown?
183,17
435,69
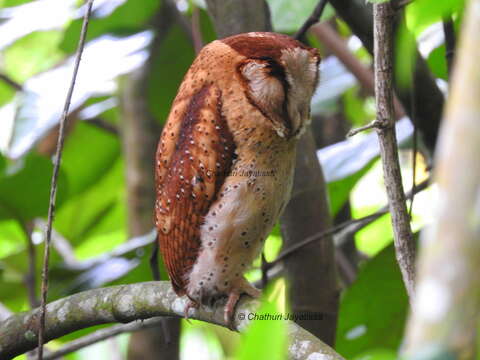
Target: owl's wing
194,156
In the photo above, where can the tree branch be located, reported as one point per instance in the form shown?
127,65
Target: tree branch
127,303
103,334
358,15
337,45
312,19
56,168
402,234
8,80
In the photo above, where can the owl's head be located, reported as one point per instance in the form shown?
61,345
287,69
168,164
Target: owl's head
280,75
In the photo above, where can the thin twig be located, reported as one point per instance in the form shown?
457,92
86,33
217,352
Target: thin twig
413,119
7,79
383,15
449,31
312,19
103,334
375,124
53,190
344,230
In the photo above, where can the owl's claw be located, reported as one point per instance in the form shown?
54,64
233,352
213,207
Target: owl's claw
233,298
190,305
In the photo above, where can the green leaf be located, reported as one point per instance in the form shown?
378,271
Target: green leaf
288,16
420,14
357,109
89,153
264,339
97,211
339,191
11,3
438,63
373,310
31,54
377,354
12,237
25,189
126,19
6,94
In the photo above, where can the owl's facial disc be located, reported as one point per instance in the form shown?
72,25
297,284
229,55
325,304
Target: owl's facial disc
282,87
301,72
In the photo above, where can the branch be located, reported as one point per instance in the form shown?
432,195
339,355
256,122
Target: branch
7,79
337,45
446,308
402,234
358,17
127,303
312,19
56,168
104,334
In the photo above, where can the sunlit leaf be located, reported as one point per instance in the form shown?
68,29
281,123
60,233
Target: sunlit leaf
100,209
32,54
12,237
264,339
126,19
422,13
377,354
89,154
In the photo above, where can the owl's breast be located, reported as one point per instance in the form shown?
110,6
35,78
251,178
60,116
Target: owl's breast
248,205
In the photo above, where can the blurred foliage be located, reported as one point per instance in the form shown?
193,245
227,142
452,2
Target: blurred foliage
373,310
419,15
91,207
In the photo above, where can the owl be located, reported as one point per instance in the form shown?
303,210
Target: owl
225,161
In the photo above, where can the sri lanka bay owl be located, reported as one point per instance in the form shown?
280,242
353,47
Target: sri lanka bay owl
225,160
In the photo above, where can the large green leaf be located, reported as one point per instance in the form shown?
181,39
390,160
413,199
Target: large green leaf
89,154
128,18
373,310
421,14
264,339
25,188
95,212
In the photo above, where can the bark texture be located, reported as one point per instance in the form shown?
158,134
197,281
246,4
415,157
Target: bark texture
127,303
446,308
402,233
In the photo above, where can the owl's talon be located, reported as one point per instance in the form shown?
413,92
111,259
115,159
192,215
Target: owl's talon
190,305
